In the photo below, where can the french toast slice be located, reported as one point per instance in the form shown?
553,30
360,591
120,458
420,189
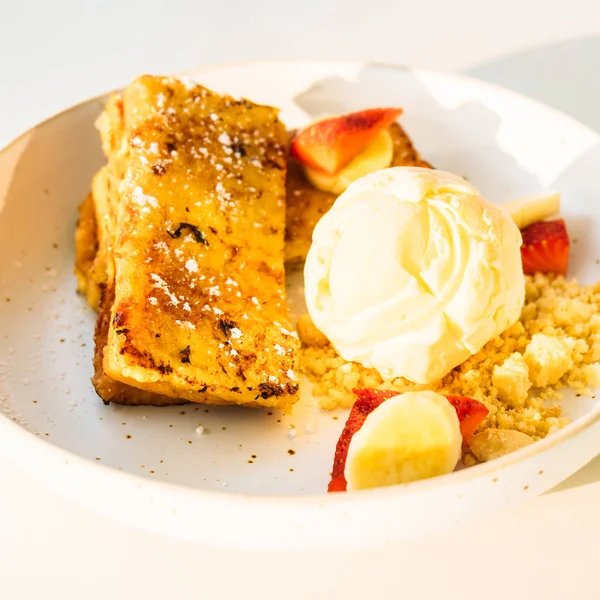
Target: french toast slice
306,204
193,250
86,249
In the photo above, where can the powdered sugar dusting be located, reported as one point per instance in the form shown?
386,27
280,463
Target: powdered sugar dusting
161,284
225,139
142,199
191,265
203,290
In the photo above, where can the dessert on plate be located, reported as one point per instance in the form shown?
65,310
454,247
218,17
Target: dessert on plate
376,288
445,323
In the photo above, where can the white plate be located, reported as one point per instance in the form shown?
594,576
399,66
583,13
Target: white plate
147,466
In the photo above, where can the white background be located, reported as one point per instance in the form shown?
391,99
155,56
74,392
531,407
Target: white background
55,53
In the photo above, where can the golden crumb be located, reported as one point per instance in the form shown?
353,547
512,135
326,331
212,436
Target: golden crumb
512,380
555,344
494,443
548,358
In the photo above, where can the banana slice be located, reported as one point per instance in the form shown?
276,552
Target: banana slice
376,156
528,210
412,436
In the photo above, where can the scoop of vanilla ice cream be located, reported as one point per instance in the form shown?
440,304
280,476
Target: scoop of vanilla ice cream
412,271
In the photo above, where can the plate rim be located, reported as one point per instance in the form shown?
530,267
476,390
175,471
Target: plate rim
16,442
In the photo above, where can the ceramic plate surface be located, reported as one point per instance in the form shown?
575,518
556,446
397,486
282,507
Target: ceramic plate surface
245,482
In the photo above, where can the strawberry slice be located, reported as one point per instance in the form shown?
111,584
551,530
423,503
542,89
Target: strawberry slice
470,413
545,248
330,144
368,400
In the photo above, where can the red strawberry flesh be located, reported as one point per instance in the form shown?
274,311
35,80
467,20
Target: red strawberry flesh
470,413
545,248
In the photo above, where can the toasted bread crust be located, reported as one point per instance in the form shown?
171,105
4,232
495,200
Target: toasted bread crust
107,388
192,249
86,249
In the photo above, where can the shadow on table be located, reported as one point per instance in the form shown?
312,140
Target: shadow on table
562,74
585,476
452,132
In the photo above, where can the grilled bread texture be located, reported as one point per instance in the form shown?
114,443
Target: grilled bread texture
190,214
306,204
86,250
111,390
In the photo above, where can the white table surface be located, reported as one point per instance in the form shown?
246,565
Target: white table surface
56,53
